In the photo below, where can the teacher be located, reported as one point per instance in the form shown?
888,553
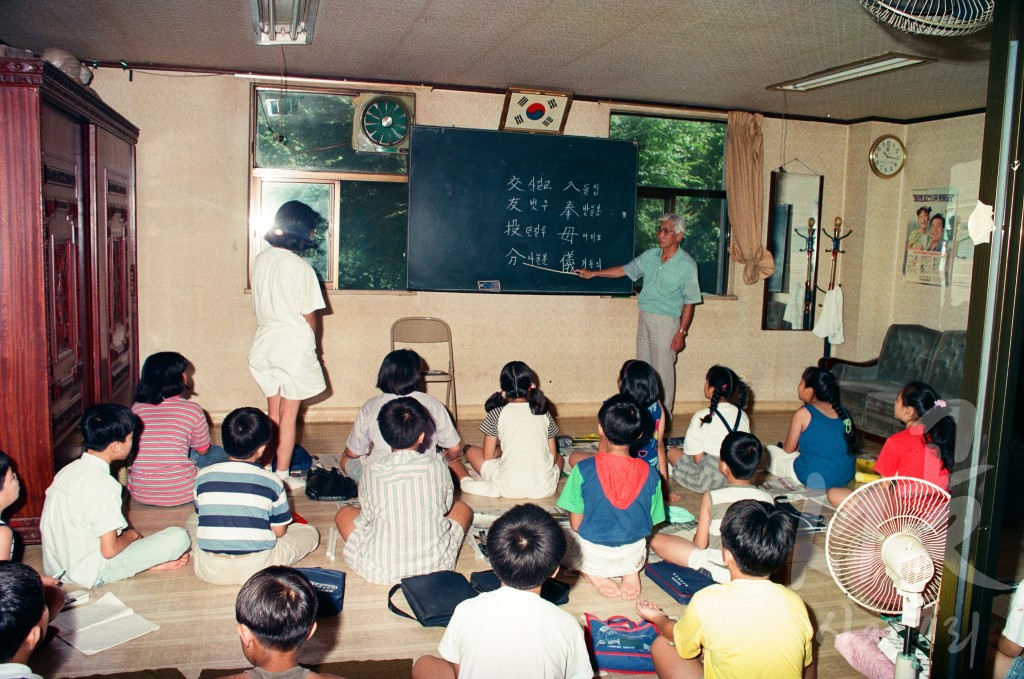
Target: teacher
666,301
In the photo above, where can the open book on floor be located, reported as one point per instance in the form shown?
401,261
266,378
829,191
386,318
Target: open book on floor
102,625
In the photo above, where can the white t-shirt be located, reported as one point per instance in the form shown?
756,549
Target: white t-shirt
1014,630
511,634
707,437
365,437
82,504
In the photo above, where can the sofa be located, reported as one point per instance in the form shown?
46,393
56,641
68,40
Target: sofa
909,353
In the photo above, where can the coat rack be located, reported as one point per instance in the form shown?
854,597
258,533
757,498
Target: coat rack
835,250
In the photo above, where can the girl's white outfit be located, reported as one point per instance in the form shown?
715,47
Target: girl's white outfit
283,356
526,468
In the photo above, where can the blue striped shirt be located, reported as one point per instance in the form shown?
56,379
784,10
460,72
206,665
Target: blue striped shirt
237,503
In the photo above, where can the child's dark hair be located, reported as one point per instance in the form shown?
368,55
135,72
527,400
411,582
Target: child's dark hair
106,423
826,388
725,384
399,372
294,226
624,422
741,452
525,545
21,606
758,535
402,422
639,380
932,412
5,463
243,432
278,605
517,382
163,376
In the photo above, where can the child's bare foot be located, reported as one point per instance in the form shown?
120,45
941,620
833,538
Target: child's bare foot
180,562
630,588
648,610
608,588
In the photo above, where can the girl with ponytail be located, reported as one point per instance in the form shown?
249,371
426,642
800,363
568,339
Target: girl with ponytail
695,466
821,446
527,465
924,449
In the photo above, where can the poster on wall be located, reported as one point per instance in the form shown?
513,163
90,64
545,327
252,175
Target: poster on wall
930,236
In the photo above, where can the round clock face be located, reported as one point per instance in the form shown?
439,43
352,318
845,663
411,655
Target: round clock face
887,156
386,121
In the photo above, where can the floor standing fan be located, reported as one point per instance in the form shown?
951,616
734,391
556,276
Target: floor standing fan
885,548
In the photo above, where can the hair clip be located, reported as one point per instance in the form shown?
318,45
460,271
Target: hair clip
939,403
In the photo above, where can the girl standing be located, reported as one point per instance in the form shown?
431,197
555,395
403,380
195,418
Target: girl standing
528,464
165,467
695,466
820,448
286,296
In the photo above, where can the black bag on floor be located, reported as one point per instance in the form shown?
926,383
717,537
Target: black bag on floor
329,484
432,597
330,589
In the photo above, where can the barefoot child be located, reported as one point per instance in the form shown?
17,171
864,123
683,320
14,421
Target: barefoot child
276,614
614,500
86,538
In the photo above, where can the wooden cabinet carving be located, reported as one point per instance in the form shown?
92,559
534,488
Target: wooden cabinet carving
68,322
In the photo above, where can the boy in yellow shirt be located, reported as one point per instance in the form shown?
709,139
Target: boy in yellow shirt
748,628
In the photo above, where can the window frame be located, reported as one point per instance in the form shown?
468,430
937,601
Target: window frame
333,178
669,195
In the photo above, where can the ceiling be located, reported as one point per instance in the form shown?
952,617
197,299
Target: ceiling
718,54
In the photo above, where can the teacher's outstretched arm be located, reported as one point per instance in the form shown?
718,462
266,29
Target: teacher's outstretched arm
610,272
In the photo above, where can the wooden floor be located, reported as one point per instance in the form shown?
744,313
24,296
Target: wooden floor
196,619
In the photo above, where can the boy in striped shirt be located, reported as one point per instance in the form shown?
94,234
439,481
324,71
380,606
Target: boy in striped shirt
242,509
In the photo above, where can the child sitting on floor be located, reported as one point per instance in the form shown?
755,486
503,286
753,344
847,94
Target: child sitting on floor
175,436
821,446
614,500
695,466
276,614
407,523
533,638
740,459
750,626
527,465
242,515
23,618
86,538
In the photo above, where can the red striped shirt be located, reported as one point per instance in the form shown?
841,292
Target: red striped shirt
162,474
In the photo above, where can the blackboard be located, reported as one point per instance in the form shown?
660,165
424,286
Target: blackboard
513,212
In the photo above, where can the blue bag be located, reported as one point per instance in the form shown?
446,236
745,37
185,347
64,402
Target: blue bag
620,645
679,581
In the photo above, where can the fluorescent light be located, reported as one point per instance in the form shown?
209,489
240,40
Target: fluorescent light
890,61
283,22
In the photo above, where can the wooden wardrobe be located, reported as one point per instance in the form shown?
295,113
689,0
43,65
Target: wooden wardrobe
68,317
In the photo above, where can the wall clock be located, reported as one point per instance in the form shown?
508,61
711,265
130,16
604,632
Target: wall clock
541,111
887,156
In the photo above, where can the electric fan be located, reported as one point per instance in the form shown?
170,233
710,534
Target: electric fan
885,548
933,17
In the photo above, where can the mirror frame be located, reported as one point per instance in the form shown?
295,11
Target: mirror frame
810,295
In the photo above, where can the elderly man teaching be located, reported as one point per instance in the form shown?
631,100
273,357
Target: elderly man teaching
666,301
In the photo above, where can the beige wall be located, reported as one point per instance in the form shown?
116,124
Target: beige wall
192,213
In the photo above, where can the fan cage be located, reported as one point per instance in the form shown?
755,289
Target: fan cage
933,17
872,513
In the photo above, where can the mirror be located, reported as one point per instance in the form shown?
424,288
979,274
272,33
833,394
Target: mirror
794,217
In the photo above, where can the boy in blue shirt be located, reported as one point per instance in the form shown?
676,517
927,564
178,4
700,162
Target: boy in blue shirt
614,500
242,509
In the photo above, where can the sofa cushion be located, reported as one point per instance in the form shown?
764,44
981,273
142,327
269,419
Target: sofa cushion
854,395
878,413
945,371
905,352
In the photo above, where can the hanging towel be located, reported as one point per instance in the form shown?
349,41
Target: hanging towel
795,306
830,322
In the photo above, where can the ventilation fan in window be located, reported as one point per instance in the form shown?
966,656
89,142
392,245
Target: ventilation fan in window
382,122
933,17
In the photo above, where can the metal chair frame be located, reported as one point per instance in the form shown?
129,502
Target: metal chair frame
429,330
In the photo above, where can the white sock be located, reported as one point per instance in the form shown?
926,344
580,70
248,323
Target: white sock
473,487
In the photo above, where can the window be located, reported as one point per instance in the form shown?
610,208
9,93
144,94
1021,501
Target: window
302,150
681,169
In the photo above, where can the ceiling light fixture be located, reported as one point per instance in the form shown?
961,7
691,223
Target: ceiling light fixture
283,22
890,61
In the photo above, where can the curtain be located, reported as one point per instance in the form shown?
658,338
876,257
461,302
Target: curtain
744,150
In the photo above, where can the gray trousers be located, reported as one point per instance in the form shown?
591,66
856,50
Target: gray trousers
654,335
